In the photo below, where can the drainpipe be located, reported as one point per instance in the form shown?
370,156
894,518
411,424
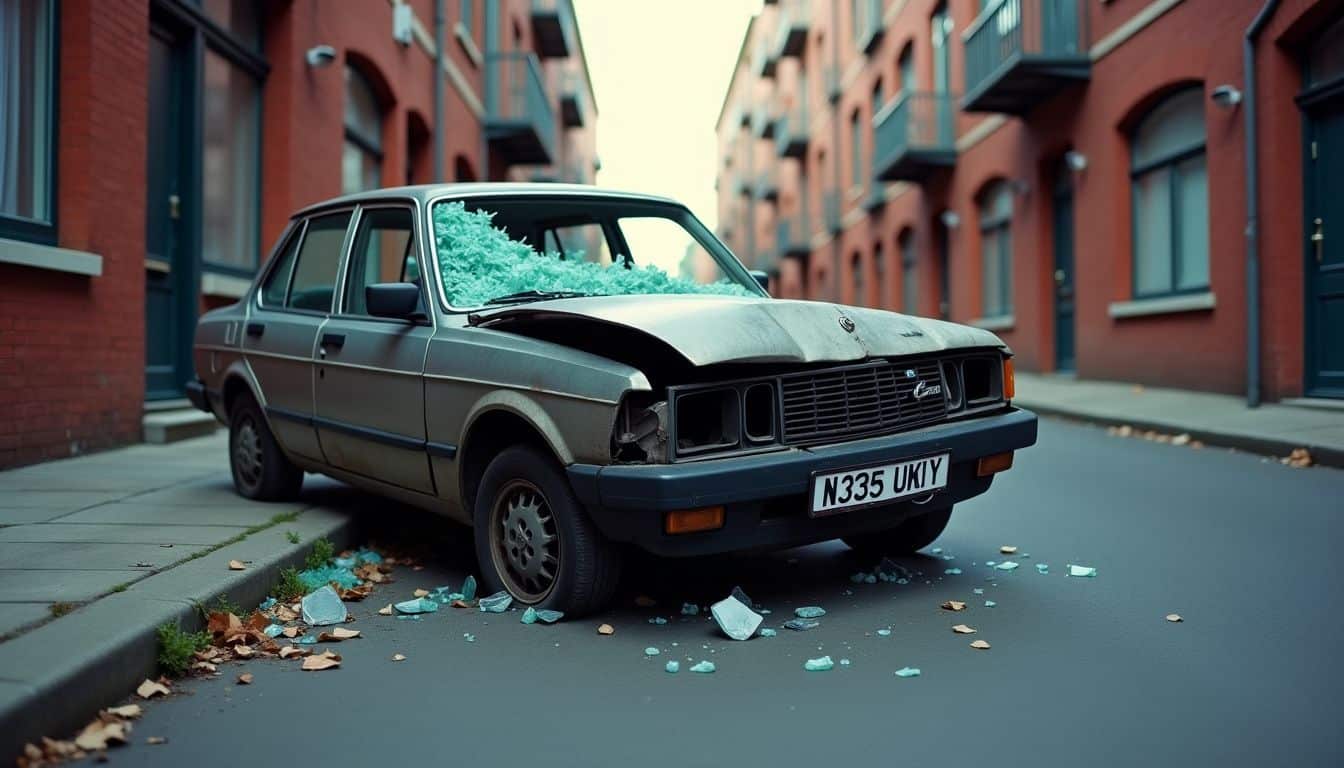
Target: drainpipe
1253,207
439,21
836,291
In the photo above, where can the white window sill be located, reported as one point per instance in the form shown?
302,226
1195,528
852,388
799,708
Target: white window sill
50,257
224,286
463,36
995,323
1166,305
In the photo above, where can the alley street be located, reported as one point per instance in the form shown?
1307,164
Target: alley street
1081,670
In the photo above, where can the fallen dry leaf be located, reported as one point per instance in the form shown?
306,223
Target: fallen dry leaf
1181,439
1007,549
156,740
605,629
385,610
1174,617
127,711
962,629
243,651
204,666
644,601
1138,389
236,565
285,613
290,632
293,650
224,624
980,645
460,604
355,594
1299,458
99,735
421,593
326,660
953,605
245,678
1125,430
337,634
1196,445
370,572
417,568
206,654
150,688
398,657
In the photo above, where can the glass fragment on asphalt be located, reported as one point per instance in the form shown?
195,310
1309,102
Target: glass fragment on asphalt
469,589
605,629
417,605
767,632
990,563
801,625
690,609
884,632
1007,549
908,672
818,665
651,651
857,578
990,603
736,620
273,630
844,662
1007,565
937,550
415,617
869,579
742,598
470,638
1043,568
548,616
809,612
703,667
658,620
267,604
529,616
953,571
978,590
672,666
1082,570
306,640
329,574
322,607
496,603
962,629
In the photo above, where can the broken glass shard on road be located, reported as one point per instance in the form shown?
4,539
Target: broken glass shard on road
736,620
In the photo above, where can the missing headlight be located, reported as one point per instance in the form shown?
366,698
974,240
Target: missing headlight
707,421
982,379
758,413
641,432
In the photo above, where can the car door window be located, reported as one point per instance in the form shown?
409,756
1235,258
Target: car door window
314,281
383,252
277,282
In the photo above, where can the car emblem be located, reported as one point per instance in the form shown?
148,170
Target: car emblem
909,373
923,389
847,324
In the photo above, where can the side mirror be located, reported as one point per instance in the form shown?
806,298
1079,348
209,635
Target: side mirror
399,300
762,278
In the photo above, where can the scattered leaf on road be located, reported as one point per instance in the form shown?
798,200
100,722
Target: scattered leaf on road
605,629
245,678
156,740
128,711
980,645
398,657
962,629
319,662
385,610
421,592
954,605
243,651
149,689
337,634
236,565
293,650
1174,617
1007,549
100,734
204,666
1299,458
291,631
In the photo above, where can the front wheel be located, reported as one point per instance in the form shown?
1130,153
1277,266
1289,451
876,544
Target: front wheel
535,541
260,470
907,538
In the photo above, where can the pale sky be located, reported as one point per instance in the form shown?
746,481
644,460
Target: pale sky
660,69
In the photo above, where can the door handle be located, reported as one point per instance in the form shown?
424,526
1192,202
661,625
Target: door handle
1318,239
256,329
1059,277
333,340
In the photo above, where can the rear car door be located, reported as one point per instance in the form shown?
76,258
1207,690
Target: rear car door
293,303
370,391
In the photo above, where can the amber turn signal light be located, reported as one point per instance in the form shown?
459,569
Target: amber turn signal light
1008,389
992,464
693,520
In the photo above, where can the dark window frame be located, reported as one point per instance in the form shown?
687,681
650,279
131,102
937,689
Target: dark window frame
32,230
996,228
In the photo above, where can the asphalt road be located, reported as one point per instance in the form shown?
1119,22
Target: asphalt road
1081,671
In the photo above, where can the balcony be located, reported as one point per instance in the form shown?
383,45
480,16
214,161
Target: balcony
762,122
830,211
1021,52
742,186
793,238
519,123
763,60
572,100
791,33
791,127
875,198
870,25
767,183
553,28
913,137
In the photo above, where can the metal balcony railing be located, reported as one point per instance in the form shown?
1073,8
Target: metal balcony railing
793,237
520,122
553,28
869,25
791,33
572,102
763,60
791,128
767,183
762,122
912,136
1021,52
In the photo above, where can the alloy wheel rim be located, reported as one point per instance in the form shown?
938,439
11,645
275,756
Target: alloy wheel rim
247,453
525,544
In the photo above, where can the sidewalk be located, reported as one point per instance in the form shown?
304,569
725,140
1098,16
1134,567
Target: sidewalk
1221,420
97,551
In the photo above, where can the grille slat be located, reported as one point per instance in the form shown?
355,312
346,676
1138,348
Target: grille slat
859,401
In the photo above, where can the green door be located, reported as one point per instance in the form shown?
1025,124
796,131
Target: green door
1325,248
1062,229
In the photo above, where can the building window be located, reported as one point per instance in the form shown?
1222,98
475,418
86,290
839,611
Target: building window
856,275
27,131
361,162
231,161
996,250
877,97
909,273
1169,178
880,274
905,69
240,18
855,149
468,16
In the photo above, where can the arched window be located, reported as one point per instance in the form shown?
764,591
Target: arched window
996,250
855,149
361,162
909,273
1170,185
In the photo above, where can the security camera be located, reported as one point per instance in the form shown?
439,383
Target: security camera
320,55
1226,96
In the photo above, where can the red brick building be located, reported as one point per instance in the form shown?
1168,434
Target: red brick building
152,150
1069,173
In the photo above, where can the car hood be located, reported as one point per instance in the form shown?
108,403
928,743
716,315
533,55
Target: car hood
708,330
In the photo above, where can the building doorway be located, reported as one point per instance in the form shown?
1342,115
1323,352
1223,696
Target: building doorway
1062,233
1322,104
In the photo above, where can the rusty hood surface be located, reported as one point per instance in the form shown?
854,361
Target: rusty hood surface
708,330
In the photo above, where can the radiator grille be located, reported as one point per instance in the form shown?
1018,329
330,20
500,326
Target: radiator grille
859,401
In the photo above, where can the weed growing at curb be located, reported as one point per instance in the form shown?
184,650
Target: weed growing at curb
292,536
222,604
289,587
323,550
60,609
122,587
177,646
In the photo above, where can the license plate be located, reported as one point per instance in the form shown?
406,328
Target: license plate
837,491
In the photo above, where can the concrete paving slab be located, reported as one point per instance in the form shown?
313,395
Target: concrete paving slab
214,490
119,534
50,586
22,515
92,555
242,514
65,500
15,616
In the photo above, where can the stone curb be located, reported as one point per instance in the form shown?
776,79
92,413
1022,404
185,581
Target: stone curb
1322,455
54,679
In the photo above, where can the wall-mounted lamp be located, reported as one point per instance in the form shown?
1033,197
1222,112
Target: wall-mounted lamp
950,219
1226,96
320,56
1075,160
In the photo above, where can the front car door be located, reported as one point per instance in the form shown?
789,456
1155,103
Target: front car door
370,393
279,337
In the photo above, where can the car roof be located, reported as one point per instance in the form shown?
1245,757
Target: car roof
426,192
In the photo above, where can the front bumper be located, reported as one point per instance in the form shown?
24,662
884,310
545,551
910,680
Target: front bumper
196,394
765,496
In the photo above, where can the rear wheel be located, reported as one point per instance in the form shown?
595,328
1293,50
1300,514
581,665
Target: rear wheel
260,469
907,538
535,541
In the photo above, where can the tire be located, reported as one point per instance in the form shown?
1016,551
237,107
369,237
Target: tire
907,538
260,469
523,492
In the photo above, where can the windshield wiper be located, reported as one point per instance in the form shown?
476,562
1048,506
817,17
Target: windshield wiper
534,295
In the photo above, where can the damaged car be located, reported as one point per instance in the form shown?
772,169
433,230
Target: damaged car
574,372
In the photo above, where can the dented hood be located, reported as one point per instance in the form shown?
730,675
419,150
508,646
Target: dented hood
725,329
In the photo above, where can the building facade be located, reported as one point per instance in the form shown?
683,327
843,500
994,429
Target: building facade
152,150
1072,174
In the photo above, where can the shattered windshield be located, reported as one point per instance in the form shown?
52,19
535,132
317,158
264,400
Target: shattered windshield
502,251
